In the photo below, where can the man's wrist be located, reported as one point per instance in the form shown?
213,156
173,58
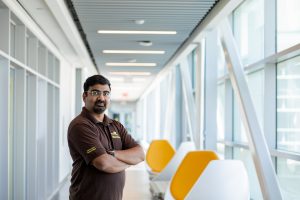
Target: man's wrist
111,152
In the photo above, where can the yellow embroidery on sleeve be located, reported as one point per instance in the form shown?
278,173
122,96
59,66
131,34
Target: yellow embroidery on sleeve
90,150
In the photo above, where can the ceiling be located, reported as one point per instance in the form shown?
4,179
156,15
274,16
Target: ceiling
158,15
54,18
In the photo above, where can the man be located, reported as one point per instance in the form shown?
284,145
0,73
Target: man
100,147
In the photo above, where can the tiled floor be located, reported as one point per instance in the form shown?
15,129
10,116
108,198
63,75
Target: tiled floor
136,186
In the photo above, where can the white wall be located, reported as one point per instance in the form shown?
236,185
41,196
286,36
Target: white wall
67,112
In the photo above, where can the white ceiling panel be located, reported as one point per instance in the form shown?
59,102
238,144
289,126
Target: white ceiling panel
158,15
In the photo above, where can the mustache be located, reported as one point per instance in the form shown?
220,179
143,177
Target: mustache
99,101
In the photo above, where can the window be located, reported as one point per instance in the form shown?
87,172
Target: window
245,156
24,136
221,148
128,122
222,69
289,178
249,30
12,39
164,92
288,26
288,105
221,111
239,132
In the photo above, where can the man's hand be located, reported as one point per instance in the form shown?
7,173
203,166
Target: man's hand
130,156
109,164
111,152
118,160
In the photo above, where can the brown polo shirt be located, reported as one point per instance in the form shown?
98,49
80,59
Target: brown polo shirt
88,139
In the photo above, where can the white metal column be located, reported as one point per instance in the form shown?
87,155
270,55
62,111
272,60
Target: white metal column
4,91
20,136
189,101
257,144
31,130
199,92
270,74
210,92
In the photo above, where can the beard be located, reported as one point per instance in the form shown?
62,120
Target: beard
99,107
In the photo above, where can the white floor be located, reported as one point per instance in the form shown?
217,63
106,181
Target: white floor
137,183
136,186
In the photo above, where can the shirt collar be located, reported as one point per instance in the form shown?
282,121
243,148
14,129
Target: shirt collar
87,114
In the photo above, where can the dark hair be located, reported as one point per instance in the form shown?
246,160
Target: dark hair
93,80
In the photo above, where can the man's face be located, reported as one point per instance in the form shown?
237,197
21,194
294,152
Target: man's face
97,98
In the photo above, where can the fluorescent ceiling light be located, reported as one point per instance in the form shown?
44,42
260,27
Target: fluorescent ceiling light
138,79
137,32
130,73
132,52
131,64
117,79
124,88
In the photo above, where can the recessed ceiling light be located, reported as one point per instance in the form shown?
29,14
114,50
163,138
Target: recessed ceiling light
131,64
132,60
139,21
130,73
132,52
137,32
145,43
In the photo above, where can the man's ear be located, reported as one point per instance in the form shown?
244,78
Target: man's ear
84,95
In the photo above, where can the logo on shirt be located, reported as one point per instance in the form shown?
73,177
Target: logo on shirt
114,135
90,150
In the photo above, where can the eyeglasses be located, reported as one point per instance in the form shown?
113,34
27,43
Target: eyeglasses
97,93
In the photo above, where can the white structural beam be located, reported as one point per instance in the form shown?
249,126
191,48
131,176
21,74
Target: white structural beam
199,94
189,100
4,113
257,144
31,134
270,74
210,92
19,140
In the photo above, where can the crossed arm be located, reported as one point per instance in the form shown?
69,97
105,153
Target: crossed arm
122,160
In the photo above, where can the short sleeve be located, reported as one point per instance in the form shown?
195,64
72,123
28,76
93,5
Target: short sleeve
85,140
127,140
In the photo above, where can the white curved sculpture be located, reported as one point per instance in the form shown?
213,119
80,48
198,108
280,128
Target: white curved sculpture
221,179
167,173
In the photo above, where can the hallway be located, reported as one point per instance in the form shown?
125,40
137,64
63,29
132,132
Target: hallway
224,75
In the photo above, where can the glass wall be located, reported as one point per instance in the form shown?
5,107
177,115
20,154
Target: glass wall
221,112
128,122
288,105
222,69
288,171
249,30
191,60
288,24
33,112
245,156
164,85
277,106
